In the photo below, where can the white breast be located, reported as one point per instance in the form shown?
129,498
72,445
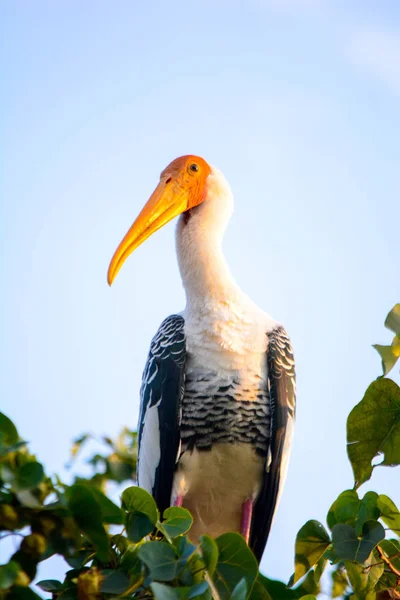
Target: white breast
228,336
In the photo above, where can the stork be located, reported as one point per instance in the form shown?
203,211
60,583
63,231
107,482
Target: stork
218,389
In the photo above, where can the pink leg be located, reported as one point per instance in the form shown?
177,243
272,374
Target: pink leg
247,511
178,501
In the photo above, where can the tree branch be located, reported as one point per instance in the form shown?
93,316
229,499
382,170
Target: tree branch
386,560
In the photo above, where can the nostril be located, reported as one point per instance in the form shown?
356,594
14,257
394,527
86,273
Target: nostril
168,180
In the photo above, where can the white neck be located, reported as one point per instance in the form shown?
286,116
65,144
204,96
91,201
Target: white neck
204,270
224,329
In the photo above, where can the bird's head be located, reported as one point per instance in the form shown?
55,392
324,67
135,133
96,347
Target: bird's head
182,186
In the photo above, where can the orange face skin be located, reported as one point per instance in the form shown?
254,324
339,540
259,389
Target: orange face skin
182,175
183,185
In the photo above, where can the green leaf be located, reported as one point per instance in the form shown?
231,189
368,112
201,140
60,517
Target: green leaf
131,564
396,346
209,551
177,521
194,573
309,597
276,589
373,427
389,513
309,585
143,513
368,511
236,561
88,516
240,591
387,581
8,431
4,450
319,568
120,542
185,551
114,582
311,542
339,582
79,559
50,585
348,546
392,321
69,594
258,591
160,559
364,577
189,566
375,571
388,356
184,547
138,526
8,574
197,590
344,509
29,476
345,541
110,512
27,561
164,592
135,499
20,592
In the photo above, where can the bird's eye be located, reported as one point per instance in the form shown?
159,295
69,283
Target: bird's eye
194,168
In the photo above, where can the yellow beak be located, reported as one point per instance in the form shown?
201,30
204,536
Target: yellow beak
168,200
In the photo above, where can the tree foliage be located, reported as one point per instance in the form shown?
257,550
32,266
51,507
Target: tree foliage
129,550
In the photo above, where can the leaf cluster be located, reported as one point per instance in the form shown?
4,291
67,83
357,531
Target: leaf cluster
113,551
363,540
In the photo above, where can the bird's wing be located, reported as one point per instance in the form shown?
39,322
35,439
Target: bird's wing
160,401
282,391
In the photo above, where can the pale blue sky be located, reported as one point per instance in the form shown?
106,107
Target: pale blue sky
297,102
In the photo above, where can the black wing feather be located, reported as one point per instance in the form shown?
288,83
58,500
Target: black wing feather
163,385
282,391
